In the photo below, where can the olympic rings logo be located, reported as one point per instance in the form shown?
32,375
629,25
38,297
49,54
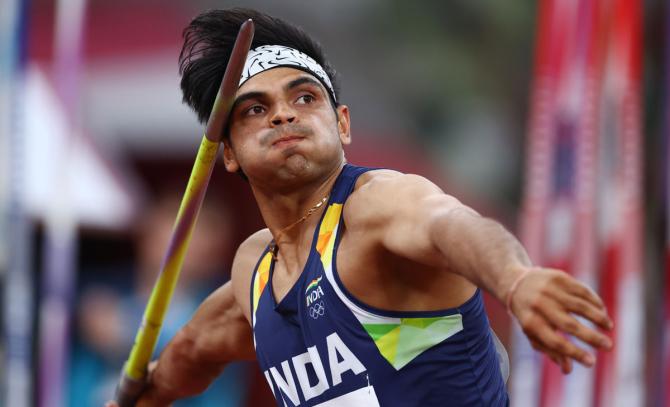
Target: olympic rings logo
317,310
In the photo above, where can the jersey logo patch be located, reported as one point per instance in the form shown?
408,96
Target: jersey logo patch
313,284
399,343
313,292
317,310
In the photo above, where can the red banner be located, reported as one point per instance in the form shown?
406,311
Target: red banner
582,205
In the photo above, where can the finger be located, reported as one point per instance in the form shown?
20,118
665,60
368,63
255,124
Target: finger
572,326
150,370
579,289
585,309
564,362
559,344
111,404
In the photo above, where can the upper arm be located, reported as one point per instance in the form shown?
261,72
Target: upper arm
219,330
217,334
221,326
400,212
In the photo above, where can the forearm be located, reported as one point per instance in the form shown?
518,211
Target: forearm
182,370
480,249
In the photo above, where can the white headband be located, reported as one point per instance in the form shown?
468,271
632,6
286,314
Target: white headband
266,57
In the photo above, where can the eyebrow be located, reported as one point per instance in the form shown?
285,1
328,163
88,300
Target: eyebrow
247,96
293,84
302,80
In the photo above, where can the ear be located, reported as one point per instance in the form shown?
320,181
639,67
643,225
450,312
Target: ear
343,124
229,159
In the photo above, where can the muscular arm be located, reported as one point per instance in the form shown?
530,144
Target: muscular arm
218,334
412,218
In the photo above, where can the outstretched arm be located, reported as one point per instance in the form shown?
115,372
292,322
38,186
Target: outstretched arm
413,218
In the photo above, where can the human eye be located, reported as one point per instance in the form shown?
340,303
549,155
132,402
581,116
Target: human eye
305,99
254,110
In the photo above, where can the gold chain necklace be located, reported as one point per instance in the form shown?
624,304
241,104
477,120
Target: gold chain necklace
274,247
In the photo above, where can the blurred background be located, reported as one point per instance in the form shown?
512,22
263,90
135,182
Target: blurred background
549,116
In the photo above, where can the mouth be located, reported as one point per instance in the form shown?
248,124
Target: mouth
286,140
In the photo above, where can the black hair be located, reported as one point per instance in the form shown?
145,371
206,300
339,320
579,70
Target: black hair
208,42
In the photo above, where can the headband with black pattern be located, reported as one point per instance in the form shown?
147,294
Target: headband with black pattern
266,57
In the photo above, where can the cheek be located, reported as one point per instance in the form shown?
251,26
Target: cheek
240,137
245,149
241,152
333,133
326,125
236,133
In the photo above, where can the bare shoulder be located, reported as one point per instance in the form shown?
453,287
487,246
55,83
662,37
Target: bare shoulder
246,257
382,180
379,193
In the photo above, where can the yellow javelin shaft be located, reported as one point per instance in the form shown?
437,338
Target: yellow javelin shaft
161,295
135,370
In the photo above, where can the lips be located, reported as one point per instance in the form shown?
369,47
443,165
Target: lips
286,140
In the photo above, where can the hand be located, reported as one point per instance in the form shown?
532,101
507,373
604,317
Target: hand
146,398
546,302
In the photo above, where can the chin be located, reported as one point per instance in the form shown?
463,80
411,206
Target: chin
297,163
298,170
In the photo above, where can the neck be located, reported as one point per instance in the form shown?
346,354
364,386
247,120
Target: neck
281,210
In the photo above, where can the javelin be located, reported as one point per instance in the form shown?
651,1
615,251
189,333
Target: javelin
135,369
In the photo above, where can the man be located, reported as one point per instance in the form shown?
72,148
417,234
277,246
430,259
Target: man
365,287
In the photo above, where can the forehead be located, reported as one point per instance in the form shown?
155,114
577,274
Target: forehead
273,78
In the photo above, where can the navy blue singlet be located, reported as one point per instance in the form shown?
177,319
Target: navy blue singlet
320,346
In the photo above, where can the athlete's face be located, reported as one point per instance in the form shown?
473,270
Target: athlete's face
284,129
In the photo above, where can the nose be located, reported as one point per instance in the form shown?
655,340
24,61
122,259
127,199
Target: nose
282,114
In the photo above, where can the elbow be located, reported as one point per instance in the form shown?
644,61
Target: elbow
198,350
184,344
193,360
